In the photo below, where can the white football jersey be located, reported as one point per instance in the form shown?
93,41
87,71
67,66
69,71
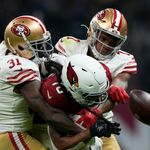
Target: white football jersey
3,49
121,62
14,111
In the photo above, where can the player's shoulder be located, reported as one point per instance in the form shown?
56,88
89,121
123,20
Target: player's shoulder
126,60
69,40
3,49
125,55
17,68
13,61
69,45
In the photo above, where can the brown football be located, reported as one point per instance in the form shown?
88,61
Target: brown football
140,105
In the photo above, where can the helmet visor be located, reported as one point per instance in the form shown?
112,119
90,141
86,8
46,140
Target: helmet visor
106,43
87,99
43,48
40,48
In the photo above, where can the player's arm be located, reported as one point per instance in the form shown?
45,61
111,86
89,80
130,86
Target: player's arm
63,143
117,95
54,117
102,127
121,80
120,83
67,45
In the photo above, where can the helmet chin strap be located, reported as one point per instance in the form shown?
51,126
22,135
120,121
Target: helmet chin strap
99,56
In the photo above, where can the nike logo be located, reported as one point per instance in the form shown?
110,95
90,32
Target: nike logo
19,70
48,95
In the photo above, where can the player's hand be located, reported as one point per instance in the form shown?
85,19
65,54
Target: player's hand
103,127
87,118
118,94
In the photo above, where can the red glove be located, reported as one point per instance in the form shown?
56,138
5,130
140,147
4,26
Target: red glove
87,118
96,111
118,94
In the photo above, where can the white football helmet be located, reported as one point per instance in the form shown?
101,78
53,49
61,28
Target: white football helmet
85,78
108,22
27,37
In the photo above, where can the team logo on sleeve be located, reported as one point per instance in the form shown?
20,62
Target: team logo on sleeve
18,29
72,76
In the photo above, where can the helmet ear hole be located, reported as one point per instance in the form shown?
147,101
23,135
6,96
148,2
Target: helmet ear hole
20,48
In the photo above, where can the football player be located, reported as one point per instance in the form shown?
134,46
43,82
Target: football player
81,84
106,34
25,38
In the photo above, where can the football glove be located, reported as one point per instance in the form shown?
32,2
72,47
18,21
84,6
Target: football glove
87,118
103,127
118,94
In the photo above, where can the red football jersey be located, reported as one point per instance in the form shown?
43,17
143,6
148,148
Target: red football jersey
56,95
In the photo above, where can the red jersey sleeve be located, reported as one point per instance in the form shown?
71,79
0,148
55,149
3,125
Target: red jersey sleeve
56,95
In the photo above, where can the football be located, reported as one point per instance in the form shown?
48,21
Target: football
140,105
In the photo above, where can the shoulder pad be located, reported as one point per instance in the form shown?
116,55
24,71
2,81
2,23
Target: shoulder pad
67,45
16,70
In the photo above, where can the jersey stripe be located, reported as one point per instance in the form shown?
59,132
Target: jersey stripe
18,141
60,48
20,73
132,62
28,77
13,141
23,142
123,52
72,38
130,69
131,65
23,76
108,73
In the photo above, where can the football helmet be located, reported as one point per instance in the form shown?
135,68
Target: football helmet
111,23
85,78
27,37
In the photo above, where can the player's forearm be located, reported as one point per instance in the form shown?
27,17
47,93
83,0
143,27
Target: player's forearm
51,115
107,106
59,120
64,143
63,124
121,80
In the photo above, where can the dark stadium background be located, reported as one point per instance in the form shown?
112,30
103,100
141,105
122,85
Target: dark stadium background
64,17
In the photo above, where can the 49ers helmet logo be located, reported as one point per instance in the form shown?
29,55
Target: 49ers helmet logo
72,76
18,29
101,15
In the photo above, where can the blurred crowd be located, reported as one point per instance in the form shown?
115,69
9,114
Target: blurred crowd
64,17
